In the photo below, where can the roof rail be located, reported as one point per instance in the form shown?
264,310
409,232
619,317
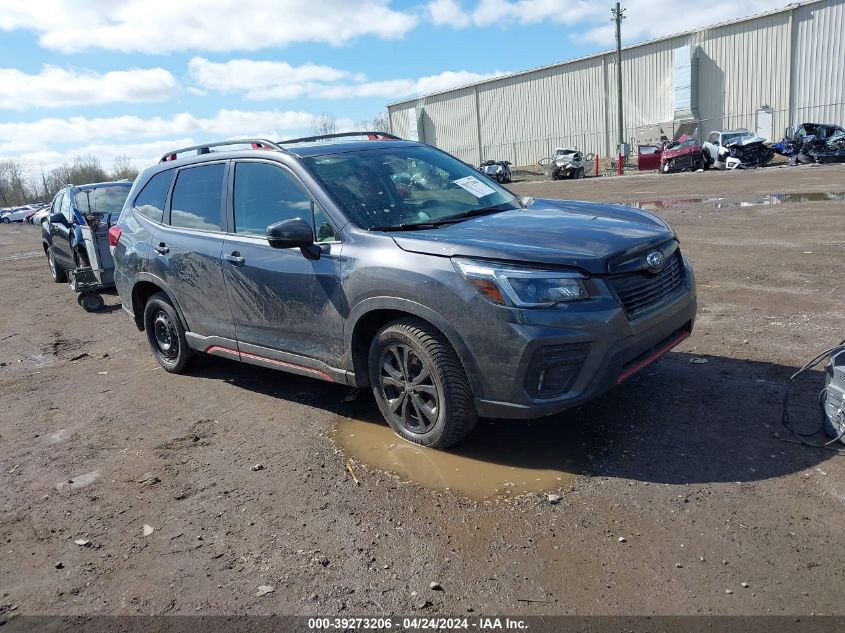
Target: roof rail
373,136
205,148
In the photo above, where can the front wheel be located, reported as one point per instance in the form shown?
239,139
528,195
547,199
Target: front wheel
420,385
6,221
166,335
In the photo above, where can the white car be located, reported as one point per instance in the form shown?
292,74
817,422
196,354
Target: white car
714,154
16,214
567,162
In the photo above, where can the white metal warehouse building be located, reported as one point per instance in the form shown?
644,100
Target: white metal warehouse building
764,73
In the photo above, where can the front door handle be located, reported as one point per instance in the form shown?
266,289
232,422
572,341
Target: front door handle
235,258
162,249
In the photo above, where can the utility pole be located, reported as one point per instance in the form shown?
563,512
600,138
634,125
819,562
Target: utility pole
618,15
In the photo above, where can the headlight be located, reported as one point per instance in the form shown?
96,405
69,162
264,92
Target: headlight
522,287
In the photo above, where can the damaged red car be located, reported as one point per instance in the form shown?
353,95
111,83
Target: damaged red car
685,154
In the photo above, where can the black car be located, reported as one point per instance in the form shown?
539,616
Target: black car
77,225
391,264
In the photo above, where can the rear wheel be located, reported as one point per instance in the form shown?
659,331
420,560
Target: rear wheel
166,335
91,301
58,273
420,385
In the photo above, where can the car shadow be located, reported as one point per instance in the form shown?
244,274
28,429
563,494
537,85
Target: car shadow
686,419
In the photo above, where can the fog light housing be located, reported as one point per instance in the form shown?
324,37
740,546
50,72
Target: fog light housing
553,369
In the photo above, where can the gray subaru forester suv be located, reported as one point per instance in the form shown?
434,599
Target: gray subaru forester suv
367,260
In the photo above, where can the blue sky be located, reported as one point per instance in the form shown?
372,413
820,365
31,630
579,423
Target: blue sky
136,77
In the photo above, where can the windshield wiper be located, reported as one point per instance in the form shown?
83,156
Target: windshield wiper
449,219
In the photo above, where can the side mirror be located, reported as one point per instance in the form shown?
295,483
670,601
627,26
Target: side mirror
58,218
526,201
294,233
789,133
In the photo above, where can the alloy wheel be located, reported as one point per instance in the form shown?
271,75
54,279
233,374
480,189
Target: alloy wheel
409,389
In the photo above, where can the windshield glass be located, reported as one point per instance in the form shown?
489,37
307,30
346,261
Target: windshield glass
108,199
727,139
385,188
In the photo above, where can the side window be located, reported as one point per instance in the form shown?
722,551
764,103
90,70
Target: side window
265,194
322,227
57,203
65,208
150,202
196,199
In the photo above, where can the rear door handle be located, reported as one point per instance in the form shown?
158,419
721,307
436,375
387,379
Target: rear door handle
235,258
162,249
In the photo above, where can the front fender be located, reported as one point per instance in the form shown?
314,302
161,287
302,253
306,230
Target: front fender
423,312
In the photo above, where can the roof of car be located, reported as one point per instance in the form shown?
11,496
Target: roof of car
97,185
739,130
342,146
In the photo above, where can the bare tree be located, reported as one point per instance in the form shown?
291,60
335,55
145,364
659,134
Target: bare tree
379,123
124,169
14,183
324,124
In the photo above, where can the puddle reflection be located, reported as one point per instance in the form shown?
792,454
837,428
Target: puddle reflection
722,203
499,459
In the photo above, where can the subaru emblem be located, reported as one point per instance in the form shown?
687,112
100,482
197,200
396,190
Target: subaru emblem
655,260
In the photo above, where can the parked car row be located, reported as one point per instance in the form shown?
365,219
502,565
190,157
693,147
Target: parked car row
741,148
21,214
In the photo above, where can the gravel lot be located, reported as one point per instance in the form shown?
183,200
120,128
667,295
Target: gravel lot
675,489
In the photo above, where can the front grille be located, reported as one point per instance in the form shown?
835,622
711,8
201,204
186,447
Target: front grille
640,291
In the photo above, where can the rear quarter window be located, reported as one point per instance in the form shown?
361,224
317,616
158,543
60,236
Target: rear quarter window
150,202
197,198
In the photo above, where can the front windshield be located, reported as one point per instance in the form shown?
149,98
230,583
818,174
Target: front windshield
391,188
727,139
106,199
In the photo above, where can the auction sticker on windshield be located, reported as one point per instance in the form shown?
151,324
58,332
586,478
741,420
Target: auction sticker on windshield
474,186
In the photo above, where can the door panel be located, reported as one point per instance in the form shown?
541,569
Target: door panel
188,248
279,298
189,263
284,301
60,233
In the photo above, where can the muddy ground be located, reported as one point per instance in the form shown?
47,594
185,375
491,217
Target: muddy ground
687,462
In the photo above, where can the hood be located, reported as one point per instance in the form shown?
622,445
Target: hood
748,140
674,150
584,235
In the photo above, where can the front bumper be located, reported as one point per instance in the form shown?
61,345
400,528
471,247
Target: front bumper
615,347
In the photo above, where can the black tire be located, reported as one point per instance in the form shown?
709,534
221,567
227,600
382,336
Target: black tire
166,335
91,301
6,221
58,273
412,362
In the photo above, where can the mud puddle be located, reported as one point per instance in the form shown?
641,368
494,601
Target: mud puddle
722,203
499,459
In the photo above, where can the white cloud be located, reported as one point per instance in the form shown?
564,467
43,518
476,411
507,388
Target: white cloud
160,26
53,141
56,87
225,123
448,13
262,80
393,88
